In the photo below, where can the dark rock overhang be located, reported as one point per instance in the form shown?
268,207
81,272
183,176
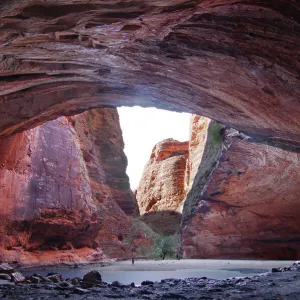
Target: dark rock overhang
237,62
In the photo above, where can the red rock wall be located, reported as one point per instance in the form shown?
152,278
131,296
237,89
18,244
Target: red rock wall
246,205
240,196
162,186
59,188
101,143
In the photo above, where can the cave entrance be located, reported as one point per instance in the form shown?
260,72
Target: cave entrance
142,129
157,148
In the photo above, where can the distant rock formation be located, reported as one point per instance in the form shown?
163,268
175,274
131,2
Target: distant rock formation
240,195
162,186
63,187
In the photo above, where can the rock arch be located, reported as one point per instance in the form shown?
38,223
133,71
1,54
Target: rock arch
237,62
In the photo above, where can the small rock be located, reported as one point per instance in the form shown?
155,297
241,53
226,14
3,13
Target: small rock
66,285
34,279
17,277
147,282
54,277
116,283
274,270
5,277
6,269
92,277
173,296
144,291
75,280
80,291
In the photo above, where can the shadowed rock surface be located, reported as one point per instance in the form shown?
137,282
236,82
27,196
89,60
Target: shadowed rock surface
240,197
244,202
233,61
64,187
163,222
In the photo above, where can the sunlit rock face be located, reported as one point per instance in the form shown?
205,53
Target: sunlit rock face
101,144
244,203
239,197
162,186
233,61
57,191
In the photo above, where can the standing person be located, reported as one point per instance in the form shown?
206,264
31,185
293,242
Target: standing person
132,260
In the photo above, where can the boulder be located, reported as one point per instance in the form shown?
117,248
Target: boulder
92,277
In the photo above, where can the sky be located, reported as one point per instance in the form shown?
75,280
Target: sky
143,128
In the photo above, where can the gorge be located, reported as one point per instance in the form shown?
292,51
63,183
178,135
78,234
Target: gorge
64,190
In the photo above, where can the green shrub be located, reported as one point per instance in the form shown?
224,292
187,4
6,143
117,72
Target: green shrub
215,134
166,246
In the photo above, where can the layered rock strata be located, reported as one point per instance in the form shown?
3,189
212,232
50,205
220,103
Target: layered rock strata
59,190
162,186
234,61
240,197
244,202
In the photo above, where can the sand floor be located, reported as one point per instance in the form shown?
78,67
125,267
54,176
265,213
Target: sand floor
212,264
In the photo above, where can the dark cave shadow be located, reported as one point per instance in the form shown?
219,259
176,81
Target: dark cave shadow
209,160
164,222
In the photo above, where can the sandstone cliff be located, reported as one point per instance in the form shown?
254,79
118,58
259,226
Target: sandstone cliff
244,202
240,195
59,190
162,186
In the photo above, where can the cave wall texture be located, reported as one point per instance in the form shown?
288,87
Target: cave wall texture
64,187
234,61
244,199
240,198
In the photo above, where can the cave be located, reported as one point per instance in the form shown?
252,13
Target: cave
65,68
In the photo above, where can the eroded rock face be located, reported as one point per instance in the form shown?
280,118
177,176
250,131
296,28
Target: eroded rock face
101,143
233,61
244,204
57,192
162,187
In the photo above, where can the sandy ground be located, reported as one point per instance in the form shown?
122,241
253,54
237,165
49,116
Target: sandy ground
184,264
125,272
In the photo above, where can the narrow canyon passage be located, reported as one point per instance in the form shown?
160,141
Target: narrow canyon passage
66,195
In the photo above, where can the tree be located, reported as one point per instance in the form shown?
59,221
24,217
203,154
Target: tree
138,239
166,246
